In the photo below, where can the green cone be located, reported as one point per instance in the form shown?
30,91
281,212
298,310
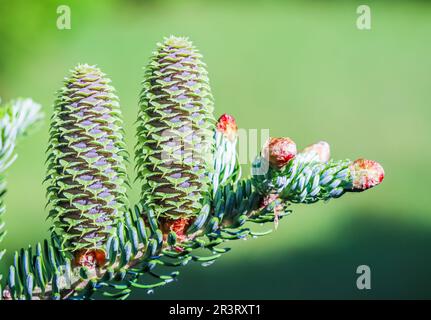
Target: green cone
175,131
86,157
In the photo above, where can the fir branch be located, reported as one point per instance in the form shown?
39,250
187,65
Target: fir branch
192,199
139,245
16,118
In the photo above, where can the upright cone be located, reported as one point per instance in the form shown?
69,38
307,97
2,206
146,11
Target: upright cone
86,157
175,132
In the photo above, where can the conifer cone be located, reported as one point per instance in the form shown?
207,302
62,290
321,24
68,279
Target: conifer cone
175,131
86,161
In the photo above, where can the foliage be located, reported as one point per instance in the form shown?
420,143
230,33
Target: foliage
16,117
193,200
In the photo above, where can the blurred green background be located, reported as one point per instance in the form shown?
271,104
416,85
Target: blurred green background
300,68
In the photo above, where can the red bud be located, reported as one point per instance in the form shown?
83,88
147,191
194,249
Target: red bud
366,174
226,124
279,151
90,258
322,150
179,226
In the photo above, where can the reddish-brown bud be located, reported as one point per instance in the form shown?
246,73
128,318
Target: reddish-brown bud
226,124
179,226
90,258
366,174
279,151
321,149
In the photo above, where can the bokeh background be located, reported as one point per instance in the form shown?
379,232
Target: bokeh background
300,68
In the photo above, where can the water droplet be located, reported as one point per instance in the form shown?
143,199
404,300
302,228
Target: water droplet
150,291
